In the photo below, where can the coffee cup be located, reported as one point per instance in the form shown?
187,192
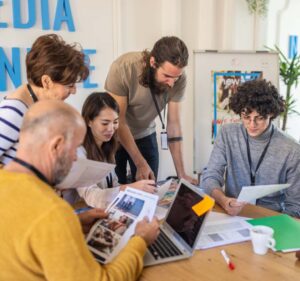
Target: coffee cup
262,239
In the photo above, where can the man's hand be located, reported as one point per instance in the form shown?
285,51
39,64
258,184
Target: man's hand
229,204
144,172
148,231
232,206
190,179
144,185
88,218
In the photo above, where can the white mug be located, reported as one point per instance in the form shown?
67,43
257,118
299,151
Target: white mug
262,239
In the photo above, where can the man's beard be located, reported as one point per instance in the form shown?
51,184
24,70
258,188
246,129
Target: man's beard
156,87
62,167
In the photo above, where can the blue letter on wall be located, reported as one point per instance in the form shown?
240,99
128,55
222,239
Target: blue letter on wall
87,83
293,46
13,70
2,24
45,15
17,18
63,13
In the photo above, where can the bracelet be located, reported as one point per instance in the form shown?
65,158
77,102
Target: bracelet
175,139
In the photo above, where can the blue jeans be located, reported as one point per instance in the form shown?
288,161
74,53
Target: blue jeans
148,148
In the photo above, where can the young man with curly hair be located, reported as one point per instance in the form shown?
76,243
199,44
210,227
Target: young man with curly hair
254,152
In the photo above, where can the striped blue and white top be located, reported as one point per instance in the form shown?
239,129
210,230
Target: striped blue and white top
11,116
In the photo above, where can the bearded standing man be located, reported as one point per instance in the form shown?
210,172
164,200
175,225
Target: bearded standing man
143,84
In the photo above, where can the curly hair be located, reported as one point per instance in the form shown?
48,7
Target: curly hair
259,95
167,49
91,108
51,55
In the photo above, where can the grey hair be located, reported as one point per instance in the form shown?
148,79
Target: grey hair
56,121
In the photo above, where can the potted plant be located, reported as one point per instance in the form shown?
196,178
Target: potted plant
258,7
289,71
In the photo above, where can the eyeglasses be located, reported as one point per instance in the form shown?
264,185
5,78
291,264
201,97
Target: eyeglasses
256,119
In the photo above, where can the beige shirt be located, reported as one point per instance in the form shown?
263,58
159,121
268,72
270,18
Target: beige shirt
123,80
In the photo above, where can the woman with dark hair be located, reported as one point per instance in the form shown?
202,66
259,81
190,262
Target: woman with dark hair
53,68
101,114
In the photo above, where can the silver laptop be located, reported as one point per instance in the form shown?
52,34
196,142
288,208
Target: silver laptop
181,229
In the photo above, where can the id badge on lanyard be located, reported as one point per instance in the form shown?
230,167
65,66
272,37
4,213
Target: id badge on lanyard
163,134
164,140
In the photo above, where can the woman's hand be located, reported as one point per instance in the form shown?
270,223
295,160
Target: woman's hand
88,218
144,185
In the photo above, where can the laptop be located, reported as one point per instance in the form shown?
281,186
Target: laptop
181,229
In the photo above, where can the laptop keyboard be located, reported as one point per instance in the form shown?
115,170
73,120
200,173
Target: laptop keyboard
163,247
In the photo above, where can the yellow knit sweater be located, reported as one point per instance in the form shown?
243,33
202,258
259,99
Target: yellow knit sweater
41,238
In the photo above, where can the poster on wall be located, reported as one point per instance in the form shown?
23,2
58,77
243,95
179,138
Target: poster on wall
224,85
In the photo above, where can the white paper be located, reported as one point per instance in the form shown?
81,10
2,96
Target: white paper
162,189
85,172
221,229
166,193
251,193
108,236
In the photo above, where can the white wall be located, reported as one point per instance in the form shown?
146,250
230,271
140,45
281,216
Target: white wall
284,20
113,27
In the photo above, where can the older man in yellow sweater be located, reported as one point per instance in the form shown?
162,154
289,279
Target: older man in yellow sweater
41,237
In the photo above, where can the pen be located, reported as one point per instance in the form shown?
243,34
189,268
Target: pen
228,261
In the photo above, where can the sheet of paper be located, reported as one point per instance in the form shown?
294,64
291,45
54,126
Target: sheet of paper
85,172
166,193
221,229
162,189
251,193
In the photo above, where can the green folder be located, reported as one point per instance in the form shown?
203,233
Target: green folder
286,231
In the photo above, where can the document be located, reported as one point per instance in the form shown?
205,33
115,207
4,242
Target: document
85,172
251,193
166,193
108,236
221,229
162,189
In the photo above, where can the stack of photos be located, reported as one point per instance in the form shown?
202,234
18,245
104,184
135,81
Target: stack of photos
107,235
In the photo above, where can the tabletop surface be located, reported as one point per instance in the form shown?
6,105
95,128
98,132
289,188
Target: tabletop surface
209,264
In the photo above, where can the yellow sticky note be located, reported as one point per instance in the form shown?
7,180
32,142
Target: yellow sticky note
203,206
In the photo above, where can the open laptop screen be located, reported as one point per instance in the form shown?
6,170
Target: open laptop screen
181,217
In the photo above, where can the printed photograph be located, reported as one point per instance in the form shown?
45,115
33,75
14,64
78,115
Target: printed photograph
168,197
117,222
103,240
130,205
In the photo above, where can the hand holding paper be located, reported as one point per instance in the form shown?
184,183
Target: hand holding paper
85,172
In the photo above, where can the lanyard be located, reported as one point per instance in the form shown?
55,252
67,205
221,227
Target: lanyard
32,94
157,109
32,169
109,181
252,176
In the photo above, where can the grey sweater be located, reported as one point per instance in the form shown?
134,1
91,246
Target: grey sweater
228,164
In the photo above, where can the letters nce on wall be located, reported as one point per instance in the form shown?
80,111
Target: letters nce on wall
24,16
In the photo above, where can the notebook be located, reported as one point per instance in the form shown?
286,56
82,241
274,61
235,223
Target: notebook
286,231
182,227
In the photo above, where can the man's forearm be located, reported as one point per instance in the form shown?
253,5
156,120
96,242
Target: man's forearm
219,196
176,152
